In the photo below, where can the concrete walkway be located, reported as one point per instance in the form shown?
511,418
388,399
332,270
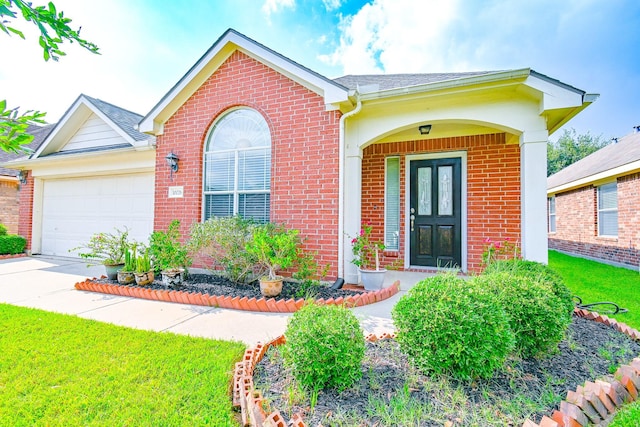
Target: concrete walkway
48,283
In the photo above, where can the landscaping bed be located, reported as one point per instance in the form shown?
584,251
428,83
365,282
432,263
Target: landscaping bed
392,392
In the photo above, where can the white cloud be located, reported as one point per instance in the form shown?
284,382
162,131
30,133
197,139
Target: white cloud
331,5
273,6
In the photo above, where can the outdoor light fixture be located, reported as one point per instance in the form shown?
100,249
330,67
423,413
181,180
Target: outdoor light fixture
424,129
172,161
22,176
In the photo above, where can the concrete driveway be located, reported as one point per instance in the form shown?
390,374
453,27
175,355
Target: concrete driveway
47,283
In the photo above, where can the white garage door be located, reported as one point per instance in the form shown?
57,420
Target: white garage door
74,209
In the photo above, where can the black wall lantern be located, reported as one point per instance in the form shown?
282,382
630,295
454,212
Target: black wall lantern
172,161
22,176
424,129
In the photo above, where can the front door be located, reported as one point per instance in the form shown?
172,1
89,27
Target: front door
435,213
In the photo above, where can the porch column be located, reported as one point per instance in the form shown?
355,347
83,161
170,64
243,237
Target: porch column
352,207
533,182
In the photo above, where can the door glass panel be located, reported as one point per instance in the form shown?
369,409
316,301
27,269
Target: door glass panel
425,246
445,190
424,191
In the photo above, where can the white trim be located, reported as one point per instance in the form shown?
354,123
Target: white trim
598,210
463,198
598,178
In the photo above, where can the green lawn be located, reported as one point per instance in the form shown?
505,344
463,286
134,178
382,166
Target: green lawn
594,282
62,370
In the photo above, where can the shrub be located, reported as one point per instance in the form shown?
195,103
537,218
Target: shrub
3,230
325,347
536,315
539,272
447,326
274,247
109,248
12,244
223,241
166,249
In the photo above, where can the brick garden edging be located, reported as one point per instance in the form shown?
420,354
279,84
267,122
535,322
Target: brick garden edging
590,404
11,256
224,301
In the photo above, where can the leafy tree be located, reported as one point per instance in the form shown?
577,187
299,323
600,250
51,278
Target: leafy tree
54,30
570,148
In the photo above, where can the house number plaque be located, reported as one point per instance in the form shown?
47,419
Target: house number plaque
176,192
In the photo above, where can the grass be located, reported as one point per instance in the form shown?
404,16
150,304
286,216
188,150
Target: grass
595,282
63,370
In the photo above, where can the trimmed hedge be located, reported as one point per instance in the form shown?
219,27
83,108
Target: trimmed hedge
12,244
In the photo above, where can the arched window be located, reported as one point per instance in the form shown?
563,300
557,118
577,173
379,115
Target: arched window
237,166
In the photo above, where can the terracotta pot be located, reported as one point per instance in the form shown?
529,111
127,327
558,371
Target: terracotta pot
173,278
372,279
126,277
143,279
112,270
270,288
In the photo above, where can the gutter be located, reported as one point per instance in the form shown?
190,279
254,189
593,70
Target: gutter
341,162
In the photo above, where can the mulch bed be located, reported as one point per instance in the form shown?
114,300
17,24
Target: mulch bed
590,351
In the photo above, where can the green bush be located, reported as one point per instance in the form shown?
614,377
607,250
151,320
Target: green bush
3,230
447,326
223,241
325,347
539,272
12,244
166,249
536,315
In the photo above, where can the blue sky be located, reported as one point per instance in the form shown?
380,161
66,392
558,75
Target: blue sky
147,45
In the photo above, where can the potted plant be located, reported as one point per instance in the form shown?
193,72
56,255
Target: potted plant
366,256
126,273
144,272
109,248
170,256
275,248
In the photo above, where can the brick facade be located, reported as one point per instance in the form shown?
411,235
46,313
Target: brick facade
9,202
493,188
577,223
26,211
304,137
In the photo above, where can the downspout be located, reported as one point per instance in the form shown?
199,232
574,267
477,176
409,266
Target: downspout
341,183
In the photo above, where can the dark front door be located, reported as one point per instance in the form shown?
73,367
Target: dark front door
435,213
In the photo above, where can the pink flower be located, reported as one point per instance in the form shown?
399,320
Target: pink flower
507,239
362,232
354,241
498,245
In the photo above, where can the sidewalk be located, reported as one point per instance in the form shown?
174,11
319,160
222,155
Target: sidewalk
47,283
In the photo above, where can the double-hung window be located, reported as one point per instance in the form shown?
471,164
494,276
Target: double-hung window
608,210
237,167
552,214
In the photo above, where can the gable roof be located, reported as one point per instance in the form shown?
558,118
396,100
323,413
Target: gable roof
122,121
613,160
392,81
229,42
39,133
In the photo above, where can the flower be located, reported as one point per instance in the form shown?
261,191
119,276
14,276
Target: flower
365,250
500,250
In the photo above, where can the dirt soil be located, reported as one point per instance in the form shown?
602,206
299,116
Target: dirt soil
525,388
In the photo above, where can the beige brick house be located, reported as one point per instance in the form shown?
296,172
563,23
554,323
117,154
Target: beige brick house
594,204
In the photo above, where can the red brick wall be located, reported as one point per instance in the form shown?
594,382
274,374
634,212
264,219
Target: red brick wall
577,223
9,202
26,210
305,137
493,188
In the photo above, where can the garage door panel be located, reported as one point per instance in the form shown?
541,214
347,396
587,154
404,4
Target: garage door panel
75,209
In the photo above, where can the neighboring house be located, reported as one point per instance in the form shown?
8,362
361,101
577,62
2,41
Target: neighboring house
594,204
10,179
91,173
436,163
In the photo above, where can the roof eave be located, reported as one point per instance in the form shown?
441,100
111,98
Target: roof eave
596,178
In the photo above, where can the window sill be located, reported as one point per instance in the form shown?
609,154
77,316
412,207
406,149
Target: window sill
607,238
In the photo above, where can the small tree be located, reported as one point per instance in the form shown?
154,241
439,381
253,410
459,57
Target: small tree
570,148
274,247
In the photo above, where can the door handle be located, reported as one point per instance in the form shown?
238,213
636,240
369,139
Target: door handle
412,218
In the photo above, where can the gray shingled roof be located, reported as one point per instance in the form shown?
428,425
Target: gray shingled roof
125,119
626,150
393,81
39,134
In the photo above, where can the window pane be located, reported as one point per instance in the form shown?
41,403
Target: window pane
445,190
552,223
243,128
424,191
254,170
552,205
608,223
254,206
219,171
608,196
218,205
392,204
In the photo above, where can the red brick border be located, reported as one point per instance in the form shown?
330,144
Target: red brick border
590,404
11,256
247,304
